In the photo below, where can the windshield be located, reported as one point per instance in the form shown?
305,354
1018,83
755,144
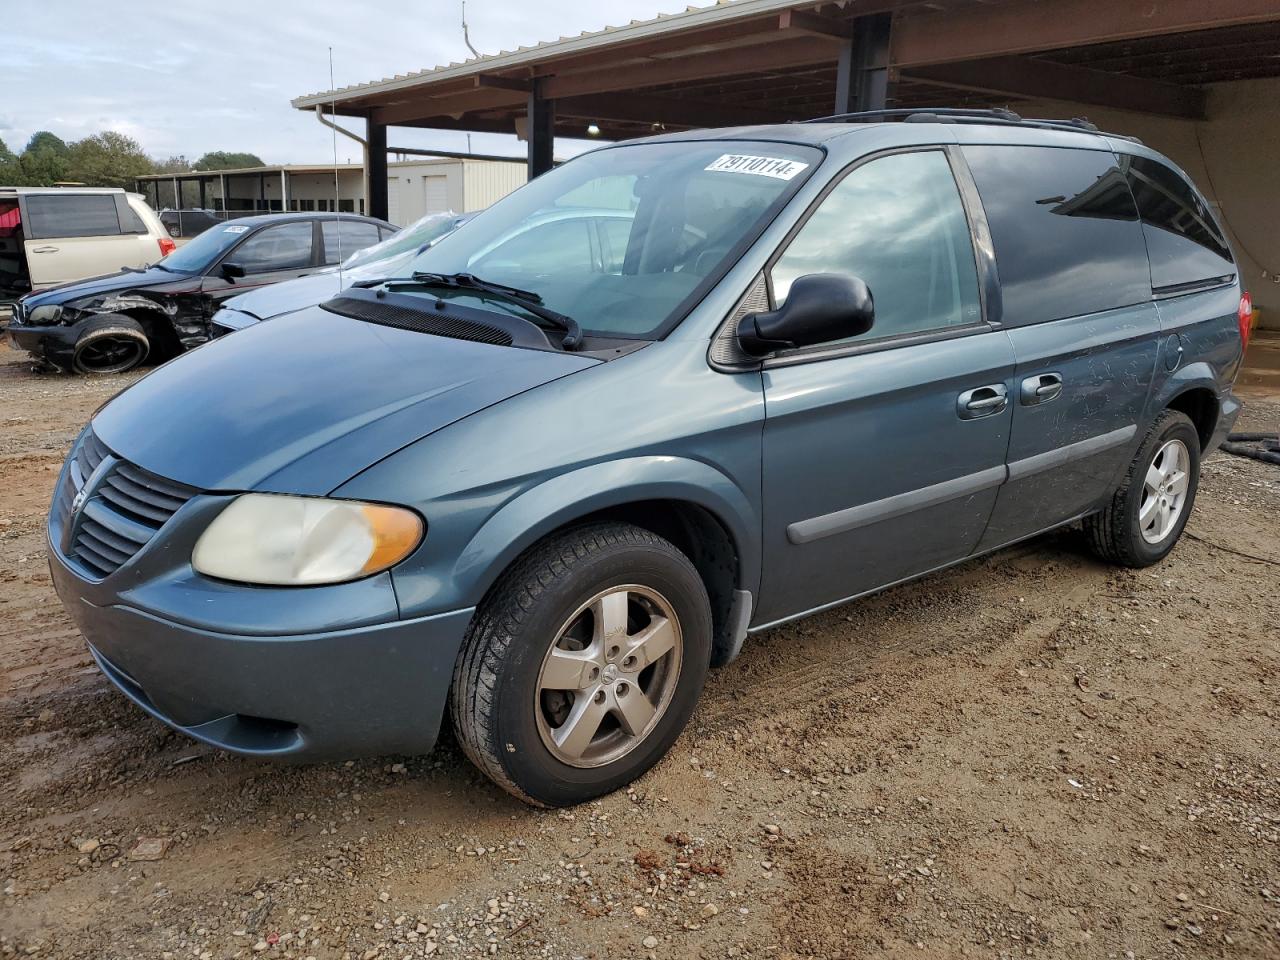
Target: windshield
625,239
197,253
424,230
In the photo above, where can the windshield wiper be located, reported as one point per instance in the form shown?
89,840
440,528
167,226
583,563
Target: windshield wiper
526,299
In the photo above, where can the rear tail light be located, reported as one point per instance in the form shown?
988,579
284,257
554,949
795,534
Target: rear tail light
167,246
1245,316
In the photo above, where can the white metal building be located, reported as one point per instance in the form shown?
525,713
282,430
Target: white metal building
415,187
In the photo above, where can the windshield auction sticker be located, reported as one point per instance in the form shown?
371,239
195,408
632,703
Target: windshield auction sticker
236,229
775,167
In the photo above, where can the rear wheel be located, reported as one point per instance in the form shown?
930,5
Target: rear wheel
583,665
111,344
1149,511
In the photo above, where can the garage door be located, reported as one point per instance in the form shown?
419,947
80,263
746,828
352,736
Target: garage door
435,192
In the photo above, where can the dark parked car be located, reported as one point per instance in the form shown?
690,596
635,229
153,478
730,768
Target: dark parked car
191,223
392,257
542,490
111,324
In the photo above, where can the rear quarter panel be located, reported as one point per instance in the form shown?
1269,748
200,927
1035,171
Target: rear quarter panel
1200,346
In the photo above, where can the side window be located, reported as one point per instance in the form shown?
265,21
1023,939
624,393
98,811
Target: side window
1183,240
285,246
898,224
51,216
615,234
344,237
130,222
1065,230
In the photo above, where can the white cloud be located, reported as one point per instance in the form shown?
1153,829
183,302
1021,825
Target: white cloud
188,78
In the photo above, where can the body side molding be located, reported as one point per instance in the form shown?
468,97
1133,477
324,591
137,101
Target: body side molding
827,525
1072,451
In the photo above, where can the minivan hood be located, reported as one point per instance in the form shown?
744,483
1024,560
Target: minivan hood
124,280
302,404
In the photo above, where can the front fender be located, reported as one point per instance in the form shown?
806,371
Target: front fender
522,521
563,499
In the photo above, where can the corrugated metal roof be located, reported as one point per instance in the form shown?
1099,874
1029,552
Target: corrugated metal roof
722,11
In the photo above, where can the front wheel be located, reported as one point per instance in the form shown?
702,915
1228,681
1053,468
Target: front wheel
110,344
1147,514
583,665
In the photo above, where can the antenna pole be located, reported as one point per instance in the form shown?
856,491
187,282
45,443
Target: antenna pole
337,220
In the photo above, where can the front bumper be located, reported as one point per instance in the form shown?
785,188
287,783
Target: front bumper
361,691
55,344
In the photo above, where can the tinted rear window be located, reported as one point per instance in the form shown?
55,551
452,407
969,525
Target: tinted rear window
72,215
1066,231
130,222
1184,241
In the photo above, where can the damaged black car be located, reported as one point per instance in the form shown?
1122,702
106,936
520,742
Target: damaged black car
112,324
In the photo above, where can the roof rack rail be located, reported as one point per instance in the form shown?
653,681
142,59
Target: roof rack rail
992,115
902,113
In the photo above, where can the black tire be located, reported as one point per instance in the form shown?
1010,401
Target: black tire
496,700
110,344
1115,533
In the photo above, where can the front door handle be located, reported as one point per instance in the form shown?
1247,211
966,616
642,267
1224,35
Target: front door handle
44,249
1041,388
982,401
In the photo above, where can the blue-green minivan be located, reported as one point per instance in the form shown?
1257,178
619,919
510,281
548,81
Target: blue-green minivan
670,394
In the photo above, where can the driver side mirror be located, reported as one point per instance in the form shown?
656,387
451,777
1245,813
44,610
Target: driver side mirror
820,308
232,270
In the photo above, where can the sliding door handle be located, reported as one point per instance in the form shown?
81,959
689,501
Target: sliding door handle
1041,388
982,401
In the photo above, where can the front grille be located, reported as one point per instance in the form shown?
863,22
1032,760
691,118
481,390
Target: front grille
125,509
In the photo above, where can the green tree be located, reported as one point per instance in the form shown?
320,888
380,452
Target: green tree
10,168
175,164
45,159
224,160
108,159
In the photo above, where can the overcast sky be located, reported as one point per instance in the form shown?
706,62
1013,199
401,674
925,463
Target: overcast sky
184,77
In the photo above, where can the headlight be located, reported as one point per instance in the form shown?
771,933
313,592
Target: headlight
296,541
44,315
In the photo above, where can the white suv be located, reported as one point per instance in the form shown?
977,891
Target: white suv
53,235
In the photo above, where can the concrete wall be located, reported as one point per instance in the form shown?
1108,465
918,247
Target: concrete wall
319,187
1232,157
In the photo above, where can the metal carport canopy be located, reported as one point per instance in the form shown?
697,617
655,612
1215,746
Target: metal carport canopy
764,61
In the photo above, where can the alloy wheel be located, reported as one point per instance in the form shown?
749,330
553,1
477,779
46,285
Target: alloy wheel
110,355
1164,491
609,676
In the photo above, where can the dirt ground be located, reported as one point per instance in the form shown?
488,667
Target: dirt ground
1032,754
